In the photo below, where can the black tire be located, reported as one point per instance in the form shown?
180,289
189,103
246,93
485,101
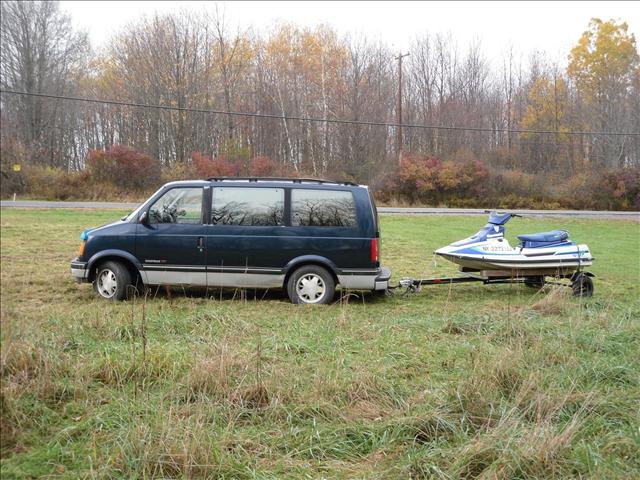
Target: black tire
582,285
534,282
321,290
113,281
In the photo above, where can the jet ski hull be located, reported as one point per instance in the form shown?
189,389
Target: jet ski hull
482,257
488,249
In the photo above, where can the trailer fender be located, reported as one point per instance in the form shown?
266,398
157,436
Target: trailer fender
587,274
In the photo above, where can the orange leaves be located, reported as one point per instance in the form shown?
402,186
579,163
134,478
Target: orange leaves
547,106
214,167
263,167
220,166
433,181
314,55
606,57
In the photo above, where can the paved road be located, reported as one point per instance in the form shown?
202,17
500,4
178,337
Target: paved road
91,205
384,210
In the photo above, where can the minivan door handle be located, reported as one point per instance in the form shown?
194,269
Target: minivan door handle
201,244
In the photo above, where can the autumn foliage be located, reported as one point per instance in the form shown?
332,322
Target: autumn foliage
431,180
123,167
205,166
469,182
519,133
263,167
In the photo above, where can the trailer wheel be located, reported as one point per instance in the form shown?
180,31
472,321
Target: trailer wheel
534,282
582,285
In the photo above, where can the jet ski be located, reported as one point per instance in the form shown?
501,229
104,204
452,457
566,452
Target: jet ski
490,250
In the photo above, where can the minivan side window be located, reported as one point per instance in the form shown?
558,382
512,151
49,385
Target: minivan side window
247,206
178,205
322,208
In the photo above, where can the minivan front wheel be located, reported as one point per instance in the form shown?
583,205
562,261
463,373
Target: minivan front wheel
311,284
112,281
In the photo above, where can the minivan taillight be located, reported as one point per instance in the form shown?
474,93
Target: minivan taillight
374,250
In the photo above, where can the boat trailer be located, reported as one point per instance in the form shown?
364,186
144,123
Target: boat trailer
580,282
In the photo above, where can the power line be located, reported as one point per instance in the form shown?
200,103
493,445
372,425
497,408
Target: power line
312,119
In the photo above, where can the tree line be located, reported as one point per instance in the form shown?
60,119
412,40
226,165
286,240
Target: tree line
487,113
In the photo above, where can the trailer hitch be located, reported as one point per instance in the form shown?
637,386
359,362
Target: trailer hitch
410,286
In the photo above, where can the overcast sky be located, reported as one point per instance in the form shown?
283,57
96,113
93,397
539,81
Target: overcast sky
550,27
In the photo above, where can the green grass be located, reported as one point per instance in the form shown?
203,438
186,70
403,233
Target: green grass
468,381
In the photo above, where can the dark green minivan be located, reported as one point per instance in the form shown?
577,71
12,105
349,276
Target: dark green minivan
306,236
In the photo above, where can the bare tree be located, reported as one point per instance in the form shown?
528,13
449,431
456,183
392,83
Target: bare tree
40,53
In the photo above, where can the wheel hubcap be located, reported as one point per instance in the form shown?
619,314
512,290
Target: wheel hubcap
107,283
311,288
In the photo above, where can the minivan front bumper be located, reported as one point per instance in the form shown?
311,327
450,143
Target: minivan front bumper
79,271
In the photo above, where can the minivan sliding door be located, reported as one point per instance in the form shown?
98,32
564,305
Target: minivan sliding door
244,237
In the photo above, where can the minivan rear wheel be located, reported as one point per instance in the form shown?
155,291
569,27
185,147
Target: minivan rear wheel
112,281
311,284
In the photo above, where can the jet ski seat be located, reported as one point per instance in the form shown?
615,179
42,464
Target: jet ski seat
542,239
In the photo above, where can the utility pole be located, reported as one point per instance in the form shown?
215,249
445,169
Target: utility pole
399,109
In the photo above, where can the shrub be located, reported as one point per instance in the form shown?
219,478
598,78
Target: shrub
12,152
434,181
416,177
123,167
263,167
57,184
621,189
580,190
179,171
219,166
513,181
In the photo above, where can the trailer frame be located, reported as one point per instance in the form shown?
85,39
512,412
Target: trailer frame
580,282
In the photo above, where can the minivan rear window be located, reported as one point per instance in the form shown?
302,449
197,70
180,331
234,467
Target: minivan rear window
247,206
322,208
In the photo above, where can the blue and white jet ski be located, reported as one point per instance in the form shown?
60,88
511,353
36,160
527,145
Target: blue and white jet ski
490,250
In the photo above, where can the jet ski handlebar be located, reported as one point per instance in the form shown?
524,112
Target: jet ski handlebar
506,213
496,218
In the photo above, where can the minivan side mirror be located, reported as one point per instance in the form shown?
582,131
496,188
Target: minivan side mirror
144,218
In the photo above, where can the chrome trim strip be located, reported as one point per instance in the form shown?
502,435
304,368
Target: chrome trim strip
182,268
244,280
176,278
214,279
173,267
212,268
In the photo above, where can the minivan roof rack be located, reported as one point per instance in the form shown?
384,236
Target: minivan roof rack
282,179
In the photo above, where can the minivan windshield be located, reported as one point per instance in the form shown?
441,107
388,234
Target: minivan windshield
133,215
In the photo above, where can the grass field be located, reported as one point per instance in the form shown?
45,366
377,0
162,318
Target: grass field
468,381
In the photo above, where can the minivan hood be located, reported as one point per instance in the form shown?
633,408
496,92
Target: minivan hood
85,233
